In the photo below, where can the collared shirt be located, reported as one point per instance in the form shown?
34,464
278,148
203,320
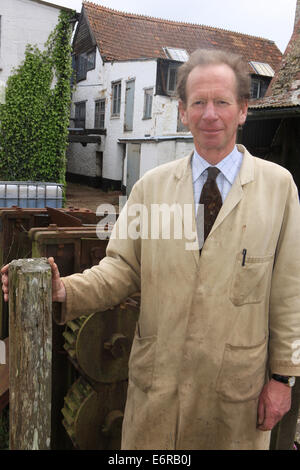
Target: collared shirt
229,168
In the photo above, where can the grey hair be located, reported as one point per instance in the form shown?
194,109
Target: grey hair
203,57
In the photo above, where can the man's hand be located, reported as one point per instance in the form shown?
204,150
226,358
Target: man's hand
58,288
274,402
4,279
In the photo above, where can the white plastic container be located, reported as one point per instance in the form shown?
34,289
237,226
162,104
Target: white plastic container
29,194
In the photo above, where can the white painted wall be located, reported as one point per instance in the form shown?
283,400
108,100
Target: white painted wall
81,160
23,22
96,86
165,115
157,153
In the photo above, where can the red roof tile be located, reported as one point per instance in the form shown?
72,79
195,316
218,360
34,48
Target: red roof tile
124,36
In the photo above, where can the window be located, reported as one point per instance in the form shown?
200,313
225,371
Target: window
80,67
83,63
91,60
100,114
80,115
259,86
116,99
148,98
261,81
172,78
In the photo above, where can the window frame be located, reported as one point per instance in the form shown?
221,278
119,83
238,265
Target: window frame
91,64
100,114
172,67
116,100
78,105
148,95
261,84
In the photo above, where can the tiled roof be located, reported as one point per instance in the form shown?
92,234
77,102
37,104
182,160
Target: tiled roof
125,36
284,89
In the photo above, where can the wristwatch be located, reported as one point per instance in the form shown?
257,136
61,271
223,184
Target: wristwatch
290,381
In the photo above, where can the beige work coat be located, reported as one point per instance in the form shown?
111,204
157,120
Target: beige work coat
210,329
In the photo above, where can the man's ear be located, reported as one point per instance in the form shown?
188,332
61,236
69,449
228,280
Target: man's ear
182,113
243,112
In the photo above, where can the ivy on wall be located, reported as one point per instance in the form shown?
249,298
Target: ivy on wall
35,117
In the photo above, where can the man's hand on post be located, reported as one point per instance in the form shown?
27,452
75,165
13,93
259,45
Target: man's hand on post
4,280
274,402
58,288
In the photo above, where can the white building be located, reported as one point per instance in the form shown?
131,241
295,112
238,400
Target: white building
124,101
23,22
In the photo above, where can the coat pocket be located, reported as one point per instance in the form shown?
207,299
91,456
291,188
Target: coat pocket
250,282
243,372
141,361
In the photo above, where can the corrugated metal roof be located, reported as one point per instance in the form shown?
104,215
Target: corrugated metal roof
177,54
262,68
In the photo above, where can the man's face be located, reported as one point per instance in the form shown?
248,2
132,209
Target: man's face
212,111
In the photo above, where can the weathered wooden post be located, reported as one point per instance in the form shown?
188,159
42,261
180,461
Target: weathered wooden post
30,348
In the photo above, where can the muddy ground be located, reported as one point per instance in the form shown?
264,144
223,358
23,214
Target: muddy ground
80,196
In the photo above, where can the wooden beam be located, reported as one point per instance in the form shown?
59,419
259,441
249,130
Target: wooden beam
85,139
87,131
30,354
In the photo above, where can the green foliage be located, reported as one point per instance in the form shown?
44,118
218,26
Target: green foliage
35,117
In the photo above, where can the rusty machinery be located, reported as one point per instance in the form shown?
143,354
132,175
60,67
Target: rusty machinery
96,345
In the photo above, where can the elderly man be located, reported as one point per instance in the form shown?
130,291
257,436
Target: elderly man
214,353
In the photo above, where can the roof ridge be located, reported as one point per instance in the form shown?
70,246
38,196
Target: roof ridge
162,20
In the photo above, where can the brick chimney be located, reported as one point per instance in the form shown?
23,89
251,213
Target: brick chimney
297,13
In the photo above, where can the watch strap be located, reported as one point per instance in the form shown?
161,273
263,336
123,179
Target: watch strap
281,378
287,380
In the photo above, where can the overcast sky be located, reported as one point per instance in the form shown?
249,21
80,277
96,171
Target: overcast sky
271,19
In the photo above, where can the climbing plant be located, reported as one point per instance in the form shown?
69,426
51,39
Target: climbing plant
35,117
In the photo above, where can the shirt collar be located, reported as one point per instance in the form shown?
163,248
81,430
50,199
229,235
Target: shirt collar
199,165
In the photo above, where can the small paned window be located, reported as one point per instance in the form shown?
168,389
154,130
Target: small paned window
148,99
116,99
172,78
80,67
80,112
259,86
91,60
100,114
